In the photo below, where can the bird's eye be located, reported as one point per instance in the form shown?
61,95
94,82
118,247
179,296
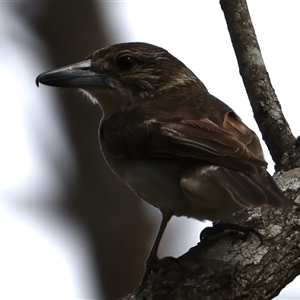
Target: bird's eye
125,63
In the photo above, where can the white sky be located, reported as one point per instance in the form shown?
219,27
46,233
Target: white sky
193,31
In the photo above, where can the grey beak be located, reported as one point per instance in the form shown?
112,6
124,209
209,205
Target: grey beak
78,75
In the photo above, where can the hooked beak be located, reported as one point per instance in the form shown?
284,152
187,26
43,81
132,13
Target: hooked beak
78,75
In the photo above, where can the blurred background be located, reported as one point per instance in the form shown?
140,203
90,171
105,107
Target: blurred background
68,228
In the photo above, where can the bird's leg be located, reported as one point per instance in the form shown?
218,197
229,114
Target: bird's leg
152,257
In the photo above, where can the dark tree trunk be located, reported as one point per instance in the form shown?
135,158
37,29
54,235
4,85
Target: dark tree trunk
70,30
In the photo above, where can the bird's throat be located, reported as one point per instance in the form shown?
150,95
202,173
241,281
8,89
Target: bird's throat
111,101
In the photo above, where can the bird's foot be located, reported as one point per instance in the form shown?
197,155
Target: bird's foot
223,226
168,264
151,264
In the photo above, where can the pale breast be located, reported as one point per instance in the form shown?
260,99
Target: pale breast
171,185
156,181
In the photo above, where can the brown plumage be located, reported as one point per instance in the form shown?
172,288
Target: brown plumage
175,145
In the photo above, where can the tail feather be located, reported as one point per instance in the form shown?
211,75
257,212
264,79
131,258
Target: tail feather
252,190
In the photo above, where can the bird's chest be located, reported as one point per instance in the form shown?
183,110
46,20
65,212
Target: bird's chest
120,137
156,181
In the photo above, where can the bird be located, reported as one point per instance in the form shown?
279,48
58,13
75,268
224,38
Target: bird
163,134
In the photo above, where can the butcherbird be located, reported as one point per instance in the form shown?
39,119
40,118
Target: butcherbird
163,134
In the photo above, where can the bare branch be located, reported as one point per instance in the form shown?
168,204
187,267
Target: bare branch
267,111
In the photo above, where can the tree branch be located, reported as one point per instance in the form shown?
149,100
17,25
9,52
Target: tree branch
267,110
230,266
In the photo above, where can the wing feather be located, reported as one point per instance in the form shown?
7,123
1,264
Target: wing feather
232,145
203,139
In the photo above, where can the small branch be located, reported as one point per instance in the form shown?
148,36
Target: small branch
267,111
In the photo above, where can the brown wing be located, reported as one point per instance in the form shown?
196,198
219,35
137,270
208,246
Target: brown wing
232,145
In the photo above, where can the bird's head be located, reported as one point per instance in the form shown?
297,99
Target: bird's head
121,74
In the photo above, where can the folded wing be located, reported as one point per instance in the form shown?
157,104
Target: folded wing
232,147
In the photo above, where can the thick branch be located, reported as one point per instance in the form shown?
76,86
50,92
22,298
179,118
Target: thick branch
230,266
267,111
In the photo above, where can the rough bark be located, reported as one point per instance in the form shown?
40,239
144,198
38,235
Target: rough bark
266,107
229,265
232,266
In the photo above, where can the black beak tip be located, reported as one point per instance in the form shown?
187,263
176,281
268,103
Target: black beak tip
37,81
46,78
42,78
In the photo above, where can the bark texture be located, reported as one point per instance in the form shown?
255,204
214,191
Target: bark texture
266,107
230,265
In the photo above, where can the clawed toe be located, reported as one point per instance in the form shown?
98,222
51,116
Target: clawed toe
222,226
